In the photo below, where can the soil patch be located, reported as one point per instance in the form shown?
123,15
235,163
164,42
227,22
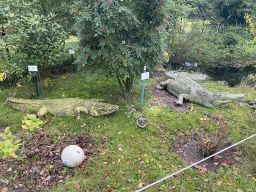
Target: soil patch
188,149
41,167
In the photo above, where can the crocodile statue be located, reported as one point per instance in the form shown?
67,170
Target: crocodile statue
140,121
185,88
68,106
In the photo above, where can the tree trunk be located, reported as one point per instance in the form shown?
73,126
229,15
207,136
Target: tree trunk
125,84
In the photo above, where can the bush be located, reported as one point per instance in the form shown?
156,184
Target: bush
121,37
34,39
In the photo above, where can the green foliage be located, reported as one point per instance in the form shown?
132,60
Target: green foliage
219,53
252,25
31,122
3,55
233,11
60,8
32,39
8,146
119,39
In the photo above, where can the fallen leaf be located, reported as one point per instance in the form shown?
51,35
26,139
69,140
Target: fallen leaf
205,186
229,184
254,178
203,169
172,188
46,122
110,188
147,160
78,187
235,172
140,185
219,182
160,166
119,132
129,162
239,190
106,174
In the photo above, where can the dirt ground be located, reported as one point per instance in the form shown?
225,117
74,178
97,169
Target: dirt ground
41,167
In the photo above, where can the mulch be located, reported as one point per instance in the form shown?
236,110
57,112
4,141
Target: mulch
41,167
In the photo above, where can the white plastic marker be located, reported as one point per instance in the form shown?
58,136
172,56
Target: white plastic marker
33,68
144,76
195,163
72,52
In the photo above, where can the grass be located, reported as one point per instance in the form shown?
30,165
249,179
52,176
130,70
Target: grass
129,156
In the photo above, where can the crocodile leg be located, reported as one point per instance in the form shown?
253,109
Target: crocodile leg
42,111
78,111
180,99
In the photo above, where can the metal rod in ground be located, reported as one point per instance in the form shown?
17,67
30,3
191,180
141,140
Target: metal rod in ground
150,185
37,93
35,79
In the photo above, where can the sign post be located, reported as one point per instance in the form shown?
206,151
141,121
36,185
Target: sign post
33,68
144,76
71,52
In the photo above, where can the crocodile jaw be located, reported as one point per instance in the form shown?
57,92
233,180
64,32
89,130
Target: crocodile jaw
104,109
223,98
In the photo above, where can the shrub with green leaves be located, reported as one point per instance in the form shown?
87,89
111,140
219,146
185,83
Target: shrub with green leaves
31,122
121,37
32,39
8,146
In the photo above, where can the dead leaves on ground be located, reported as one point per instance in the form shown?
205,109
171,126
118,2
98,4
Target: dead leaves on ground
41,167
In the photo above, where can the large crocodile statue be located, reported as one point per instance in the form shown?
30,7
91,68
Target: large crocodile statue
69,106
185,88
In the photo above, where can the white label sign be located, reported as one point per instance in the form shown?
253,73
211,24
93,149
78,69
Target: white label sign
144,75
32,68
71,51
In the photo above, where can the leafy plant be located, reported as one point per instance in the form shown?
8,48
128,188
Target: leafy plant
252,23
8,146
33,39
31,122
121,37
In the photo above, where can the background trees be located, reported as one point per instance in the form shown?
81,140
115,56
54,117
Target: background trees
120,37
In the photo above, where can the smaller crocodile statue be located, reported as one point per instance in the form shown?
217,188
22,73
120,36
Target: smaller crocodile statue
185,88
141,122
68,106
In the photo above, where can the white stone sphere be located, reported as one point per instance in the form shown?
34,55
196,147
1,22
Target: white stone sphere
72,156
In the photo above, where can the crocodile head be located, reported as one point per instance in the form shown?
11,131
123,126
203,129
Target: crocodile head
223,98
103,109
